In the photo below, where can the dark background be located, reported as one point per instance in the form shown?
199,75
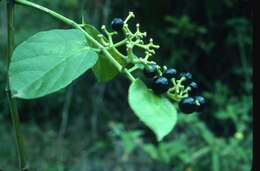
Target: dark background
89,125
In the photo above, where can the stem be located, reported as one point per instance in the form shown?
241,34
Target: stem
50,12
122,42
128,74
17,129
77,26
12,102
135,67
199,153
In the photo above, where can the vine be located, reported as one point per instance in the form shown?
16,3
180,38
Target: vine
49,61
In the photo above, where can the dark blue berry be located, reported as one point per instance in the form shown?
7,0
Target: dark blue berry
150,71
117,24
194,88
188,105
160,85
202,103
170,73
187,76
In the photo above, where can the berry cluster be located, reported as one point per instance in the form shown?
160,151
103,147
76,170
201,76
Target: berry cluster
164,81
179,87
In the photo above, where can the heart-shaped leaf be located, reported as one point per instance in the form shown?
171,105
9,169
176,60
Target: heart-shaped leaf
49,61
157,112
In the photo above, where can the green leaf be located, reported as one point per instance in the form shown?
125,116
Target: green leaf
151,150
49,61
156,112
104,70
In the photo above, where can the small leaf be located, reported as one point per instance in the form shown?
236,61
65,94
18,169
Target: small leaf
156,112
151,150
48,62
104,70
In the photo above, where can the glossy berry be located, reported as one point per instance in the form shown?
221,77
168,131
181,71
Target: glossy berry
194,88
150,71
170,73
202,103
117,24
160,85
188,105
187,76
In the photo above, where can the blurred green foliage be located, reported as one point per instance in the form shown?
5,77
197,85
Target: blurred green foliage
89,126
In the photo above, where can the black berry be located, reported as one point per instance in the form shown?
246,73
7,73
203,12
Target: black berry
188,105
202,103
160,85
170,73
187,76
150,71
117,24
194,88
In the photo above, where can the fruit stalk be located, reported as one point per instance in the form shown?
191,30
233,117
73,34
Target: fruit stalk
12,101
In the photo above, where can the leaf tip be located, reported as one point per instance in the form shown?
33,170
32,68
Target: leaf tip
160,137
